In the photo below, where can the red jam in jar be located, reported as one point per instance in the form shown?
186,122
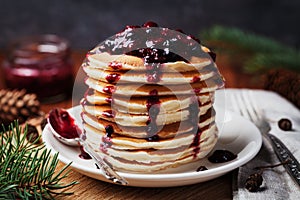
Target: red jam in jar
41,65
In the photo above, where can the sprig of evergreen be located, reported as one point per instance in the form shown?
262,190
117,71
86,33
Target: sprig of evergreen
27,170
261,62
259,52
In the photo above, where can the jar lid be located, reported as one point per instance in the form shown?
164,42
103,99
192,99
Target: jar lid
31,50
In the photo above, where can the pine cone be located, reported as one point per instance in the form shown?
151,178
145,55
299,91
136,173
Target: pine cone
17,104
285,83
254,182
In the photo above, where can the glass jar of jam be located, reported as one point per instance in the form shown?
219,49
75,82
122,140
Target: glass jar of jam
41,65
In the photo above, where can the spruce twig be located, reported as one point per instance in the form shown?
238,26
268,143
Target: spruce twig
261,62
262,53
244,41
28,171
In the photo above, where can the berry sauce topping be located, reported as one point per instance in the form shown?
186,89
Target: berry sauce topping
65,126
153,55
113,77
195,79
109,130
109,100
196,142
154,44
197,90
107,142
193,118
150,24
220,156
213,55
109,113
109,89
63,123
153,58
83,154
201,168
153,108
115,65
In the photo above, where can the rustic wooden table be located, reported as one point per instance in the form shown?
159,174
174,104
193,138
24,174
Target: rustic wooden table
88,188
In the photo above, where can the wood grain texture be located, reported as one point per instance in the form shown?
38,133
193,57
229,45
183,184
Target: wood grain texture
89,188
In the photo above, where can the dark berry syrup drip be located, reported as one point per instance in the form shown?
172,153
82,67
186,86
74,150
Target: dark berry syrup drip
109,89
109,100
196,79
106,140
115,65
213,56
201,168
109,113
197,90
113,77
83,154
153,108
153,59
109,130
194,119
153,72
196,142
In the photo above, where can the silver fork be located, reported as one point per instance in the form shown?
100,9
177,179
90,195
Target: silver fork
243,102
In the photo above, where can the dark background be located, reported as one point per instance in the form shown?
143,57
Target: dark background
85,23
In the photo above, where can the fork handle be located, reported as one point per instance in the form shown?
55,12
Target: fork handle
108,172
284,154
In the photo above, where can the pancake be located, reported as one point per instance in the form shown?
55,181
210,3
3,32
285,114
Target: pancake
138,105
129,119
144,76
166,131
116,141
137,167
130,90
149,103
108,62
145,159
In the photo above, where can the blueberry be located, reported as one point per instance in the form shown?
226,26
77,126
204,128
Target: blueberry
285,124
150,24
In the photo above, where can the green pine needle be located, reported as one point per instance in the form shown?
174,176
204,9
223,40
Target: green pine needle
27,171
257,52
260,62
244,41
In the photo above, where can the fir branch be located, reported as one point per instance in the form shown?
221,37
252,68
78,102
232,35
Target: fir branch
261,62
257,52
243,41
27,170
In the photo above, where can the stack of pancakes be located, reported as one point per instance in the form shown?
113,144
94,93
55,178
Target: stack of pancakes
145,119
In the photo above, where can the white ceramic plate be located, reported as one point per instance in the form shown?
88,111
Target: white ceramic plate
237,135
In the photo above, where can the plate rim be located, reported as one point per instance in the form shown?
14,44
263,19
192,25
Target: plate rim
165,177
